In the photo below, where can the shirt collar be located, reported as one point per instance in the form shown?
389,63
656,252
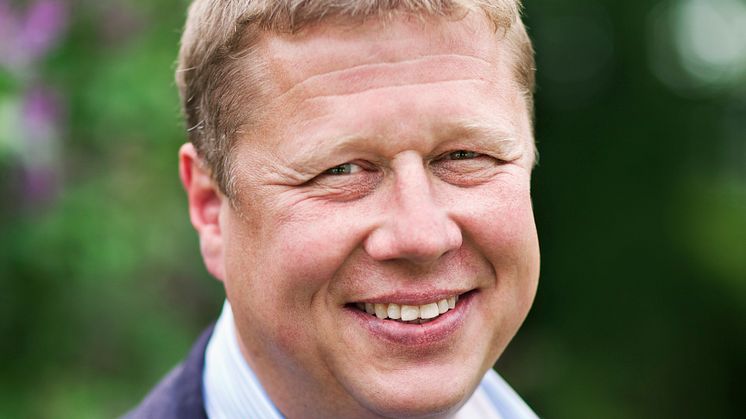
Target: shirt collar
231,388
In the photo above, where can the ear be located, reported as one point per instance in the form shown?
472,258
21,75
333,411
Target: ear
205,201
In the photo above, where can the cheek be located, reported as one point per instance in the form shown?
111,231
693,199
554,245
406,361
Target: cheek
500,220
292,255
315,248
285,277
501,225
274,274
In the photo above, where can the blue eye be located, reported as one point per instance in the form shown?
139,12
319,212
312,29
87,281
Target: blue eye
463,155
343,169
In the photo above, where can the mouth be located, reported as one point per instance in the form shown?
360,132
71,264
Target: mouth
410,314
427,322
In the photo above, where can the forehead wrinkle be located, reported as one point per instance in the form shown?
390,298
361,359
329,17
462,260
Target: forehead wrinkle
393,86
378,73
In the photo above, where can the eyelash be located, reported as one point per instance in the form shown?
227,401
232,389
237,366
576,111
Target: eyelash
462,155
339,171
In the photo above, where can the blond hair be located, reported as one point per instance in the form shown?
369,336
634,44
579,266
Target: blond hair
219,75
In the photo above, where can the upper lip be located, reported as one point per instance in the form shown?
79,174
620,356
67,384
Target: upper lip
413,297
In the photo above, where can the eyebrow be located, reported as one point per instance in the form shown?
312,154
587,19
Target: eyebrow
487,135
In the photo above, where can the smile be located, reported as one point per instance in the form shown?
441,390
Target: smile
406,313
429,324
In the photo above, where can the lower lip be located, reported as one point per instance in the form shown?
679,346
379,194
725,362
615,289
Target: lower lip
433,332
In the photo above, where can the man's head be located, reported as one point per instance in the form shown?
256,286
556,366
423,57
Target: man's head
363,153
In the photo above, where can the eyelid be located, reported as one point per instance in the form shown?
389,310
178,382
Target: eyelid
342,187
466,151
357,166
447,156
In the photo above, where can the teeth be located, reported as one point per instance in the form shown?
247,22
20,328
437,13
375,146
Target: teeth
394,311
407,313
381,311
442,306
429,311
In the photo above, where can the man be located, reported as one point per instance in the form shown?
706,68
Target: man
358,174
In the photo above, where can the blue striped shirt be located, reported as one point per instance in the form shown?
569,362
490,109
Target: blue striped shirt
232,390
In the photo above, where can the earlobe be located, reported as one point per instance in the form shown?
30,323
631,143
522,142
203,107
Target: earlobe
205,202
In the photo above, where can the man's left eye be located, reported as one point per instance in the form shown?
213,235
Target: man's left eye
463,155
343,169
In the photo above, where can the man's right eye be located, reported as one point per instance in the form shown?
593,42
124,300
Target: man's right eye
346,182
463,155
343,169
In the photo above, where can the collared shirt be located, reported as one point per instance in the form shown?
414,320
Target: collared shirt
232,390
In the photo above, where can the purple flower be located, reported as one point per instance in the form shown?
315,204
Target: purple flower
40,185
41,112
42,116
26,36
8,29
45,22
24,39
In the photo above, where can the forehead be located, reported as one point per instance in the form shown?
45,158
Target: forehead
291,58
406,78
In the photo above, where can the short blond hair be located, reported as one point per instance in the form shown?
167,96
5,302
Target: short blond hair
220,76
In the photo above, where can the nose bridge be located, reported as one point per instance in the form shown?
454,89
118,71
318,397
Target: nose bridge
415,226
413,196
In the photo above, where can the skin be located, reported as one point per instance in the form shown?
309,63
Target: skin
430,146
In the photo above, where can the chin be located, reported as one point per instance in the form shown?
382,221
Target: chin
430,392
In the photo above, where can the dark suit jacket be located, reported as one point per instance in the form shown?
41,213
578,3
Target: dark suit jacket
179,394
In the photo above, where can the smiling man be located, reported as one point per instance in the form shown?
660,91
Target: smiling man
358,174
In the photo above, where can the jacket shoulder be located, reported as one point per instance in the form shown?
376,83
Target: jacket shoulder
179,393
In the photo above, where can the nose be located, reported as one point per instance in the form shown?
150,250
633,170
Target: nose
413,225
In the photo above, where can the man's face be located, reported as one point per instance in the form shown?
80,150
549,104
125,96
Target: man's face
392,167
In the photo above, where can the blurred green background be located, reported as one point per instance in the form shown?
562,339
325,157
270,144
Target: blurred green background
640,200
